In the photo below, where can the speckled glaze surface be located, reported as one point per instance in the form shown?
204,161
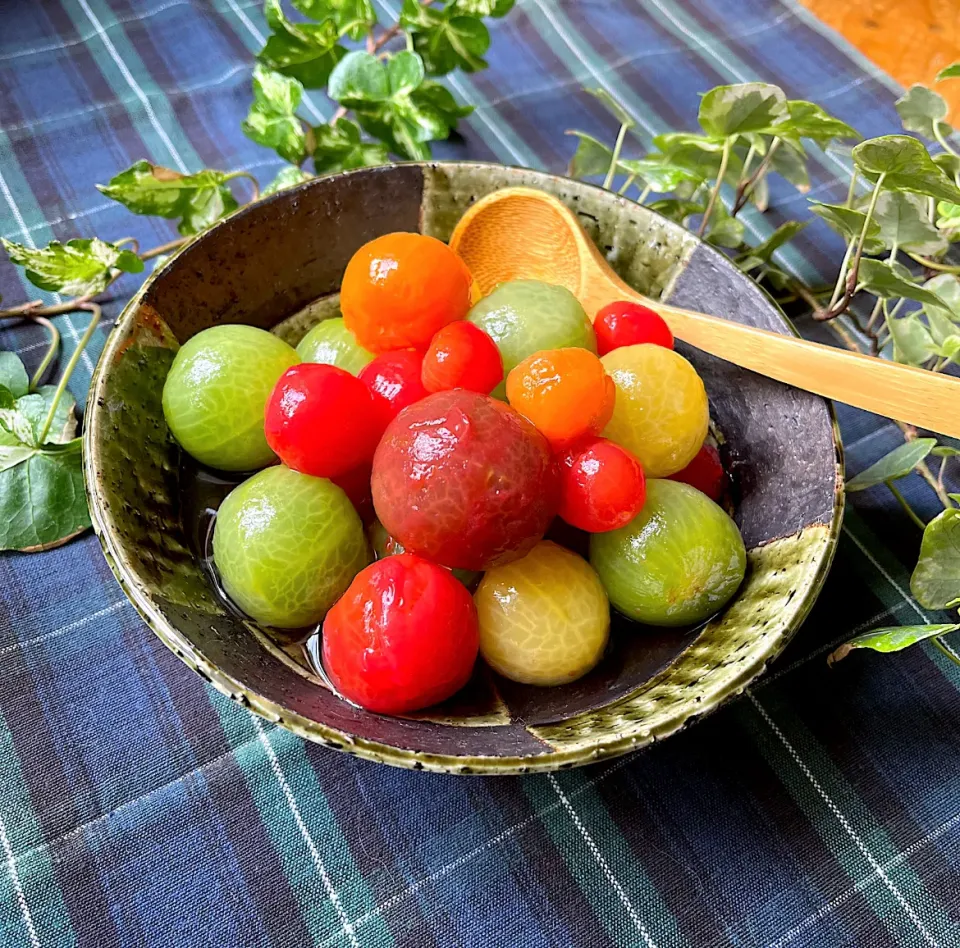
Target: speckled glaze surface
277,265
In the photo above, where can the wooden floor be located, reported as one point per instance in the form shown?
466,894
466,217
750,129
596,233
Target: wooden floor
910,40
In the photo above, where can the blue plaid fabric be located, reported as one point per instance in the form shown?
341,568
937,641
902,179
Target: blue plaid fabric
140,808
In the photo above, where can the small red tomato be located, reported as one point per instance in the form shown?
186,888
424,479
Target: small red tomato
355,483
705,472
404,636
320,420
462,355
627,324
394,379
602,486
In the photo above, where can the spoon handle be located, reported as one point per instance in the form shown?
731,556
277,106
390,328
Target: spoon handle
915,396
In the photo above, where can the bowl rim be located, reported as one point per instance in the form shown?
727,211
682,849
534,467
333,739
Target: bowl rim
602,745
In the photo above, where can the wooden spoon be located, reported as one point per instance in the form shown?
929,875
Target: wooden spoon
522,233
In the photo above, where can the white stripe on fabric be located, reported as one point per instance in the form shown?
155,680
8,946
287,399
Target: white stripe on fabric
602,863
844,822
138,92
18,887
833,904
345,923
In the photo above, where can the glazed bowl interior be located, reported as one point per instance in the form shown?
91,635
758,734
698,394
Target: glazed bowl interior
277,265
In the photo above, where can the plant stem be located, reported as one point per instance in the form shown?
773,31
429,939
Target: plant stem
250,178
911,513
94,308
938,135
644,194
626,184
128,240
164,248
878,307
943,468
745,188
49,355
715,192
617,148
932,264
851,286
838,289
851,190
946,651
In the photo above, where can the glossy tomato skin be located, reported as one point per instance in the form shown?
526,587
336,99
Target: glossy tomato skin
462,355
394,379
627,324
404,636
705,472
321,420
464,480
399,289
602,486
355,483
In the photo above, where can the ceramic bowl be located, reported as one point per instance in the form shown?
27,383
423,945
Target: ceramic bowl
277,265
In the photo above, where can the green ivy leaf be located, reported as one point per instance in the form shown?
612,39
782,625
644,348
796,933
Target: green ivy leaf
948,220
890,280
790,162
949,72
612,106
898,463
891,639
405,72
79,267
358,79
272,119
904,223
784,233
698,154
944,319
849,222
306,51
660,176
920,109
725,231
445,38
340,148
354,18
591,157
912,342
288,177
676,209
741,108
906,166
197,199
496,8
42,501
935,582
13,375
945,451
809,120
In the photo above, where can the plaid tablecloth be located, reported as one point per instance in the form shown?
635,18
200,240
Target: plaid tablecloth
138,807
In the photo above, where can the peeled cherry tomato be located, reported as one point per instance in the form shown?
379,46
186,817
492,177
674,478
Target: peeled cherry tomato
321,420
627,324
462,355
399,289
602,486
404,636
394,379
565,392
705,472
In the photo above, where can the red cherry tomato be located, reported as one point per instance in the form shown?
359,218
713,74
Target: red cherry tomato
403,636
627,324
355,484
602,486
705,472
321,420
462,355
394,379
